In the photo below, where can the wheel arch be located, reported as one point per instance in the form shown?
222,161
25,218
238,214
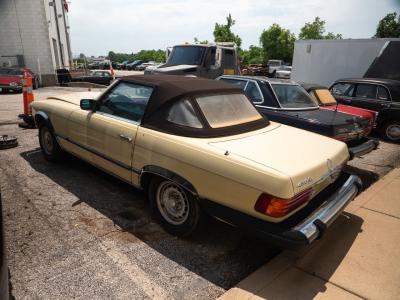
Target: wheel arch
42,117
385,116
149,171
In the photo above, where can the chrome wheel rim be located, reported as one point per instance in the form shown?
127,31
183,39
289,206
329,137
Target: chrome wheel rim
47,141
172,203
393,132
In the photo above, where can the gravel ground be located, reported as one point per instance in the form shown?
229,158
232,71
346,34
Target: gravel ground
74,232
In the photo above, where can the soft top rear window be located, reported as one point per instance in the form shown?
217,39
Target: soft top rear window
226,110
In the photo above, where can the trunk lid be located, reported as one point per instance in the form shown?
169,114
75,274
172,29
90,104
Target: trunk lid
307,158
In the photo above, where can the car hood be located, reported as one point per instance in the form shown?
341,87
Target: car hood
307,158
9,79
356,111
75,98
167,69
330,118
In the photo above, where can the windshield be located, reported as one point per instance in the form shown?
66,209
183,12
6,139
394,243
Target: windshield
293,96
13,72
274,63
227,110
325,97
186,55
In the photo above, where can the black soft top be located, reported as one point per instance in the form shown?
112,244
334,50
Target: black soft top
312,86
167,89
171,87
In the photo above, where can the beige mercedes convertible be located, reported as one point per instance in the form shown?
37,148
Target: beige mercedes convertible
199,146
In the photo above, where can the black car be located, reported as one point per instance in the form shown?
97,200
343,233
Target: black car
102,77
133,65
288,103
381,95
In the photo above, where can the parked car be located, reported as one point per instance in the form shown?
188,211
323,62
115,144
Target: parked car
11,79
133,65
288,103
121,66
200,146
285,72
323,96
273,66
103,77
144,65
380,95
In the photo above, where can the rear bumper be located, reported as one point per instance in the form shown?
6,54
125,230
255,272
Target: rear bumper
17,88
305,226
364,148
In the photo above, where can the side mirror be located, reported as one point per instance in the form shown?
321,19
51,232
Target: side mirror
87,104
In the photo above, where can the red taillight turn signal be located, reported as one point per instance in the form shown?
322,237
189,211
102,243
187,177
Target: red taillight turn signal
277,207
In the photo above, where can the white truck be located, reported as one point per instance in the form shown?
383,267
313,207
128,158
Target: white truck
324,61
201,60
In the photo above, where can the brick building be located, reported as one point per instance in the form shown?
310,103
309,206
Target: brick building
35,34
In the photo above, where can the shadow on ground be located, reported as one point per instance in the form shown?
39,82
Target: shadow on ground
221,254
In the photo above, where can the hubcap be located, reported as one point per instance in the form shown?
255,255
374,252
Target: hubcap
393,131
47,141
172,203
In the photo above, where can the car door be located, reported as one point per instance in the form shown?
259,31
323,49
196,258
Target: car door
343,92
112,128
371,96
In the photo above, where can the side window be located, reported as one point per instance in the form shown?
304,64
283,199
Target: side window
366,91
382,94
343,89
183,113
239,83
254,93
126,100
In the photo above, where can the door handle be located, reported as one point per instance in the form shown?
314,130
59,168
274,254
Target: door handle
125,137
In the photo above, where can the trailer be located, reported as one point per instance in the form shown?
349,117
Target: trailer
324,61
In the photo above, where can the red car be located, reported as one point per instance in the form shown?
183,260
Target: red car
11,79
323,96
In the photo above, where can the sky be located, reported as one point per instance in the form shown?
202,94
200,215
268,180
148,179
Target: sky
98,26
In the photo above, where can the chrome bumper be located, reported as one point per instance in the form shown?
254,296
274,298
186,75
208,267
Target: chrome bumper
314,226
364,148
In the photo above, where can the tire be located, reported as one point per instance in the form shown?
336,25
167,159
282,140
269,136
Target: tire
36,84
390,131
182,221
48,144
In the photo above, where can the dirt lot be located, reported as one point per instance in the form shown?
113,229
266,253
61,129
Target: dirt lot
74,232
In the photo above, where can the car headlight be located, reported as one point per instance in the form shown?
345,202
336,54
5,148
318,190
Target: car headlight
14,84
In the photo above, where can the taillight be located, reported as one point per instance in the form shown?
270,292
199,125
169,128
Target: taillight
277,207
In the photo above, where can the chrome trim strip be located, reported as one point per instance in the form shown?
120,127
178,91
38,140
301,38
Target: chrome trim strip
101,155
329,210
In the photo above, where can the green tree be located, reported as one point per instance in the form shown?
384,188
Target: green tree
389,26
223,32
315,31
255,55
277,43
197,41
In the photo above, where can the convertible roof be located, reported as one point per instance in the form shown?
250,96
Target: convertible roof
171,87
312,86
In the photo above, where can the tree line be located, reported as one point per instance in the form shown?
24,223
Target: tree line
275,42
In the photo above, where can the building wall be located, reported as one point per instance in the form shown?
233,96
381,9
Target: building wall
27,28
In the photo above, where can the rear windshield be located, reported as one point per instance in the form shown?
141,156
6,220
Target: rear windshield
325,96
227,110
293,96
